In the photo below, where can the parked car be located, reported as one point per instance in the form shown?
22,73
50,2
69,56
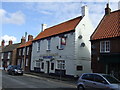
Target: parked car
97,81
14,70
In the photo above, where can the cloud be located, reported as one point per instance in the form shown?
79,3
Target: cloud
7,38
12,18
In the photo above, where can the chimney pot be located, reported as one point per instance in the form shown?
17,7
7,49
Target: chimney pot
23,40
10,42
30,37
3,43
107,10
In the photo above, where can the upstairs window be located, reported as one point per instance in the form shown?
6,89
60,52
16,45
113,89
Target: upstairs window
62,42
19,52
9,55
48,44
105,46
2,55
23,51
38,46
27,50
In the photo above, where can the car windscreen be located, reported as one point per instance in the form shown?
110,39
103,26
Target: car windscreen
16,67
111,79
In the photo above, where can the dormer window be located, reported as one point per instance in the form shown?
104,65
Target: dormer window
105,46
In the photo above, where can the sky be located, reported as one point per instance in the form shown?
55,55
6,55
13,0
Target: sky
20,16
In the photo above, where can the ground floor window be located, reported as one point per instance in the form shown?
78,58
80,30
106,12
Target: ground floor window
37,64
61,64
79,68
42,65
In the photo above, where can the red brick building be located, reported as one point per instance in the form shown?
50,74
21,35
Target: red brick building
105,44
24,54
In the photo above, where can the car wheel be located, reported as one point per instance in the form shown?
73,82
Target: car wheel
13,73
80,87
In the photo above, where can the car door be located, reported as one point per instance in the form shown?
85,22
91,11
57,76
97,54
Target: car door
99,82
88,81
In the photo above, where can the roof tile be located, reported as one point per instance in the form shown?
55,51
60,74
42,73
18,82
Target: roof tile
60,28
109,26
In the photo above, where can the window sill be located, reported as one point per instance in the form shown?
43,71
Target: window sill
61,48
48,50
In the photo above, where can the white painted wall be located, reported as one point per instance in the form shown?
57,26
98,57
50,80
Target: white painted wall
73,54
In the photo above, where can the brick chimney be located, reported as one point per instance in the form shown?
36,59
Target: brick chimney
44,26
23,40
30,37
10,42
107,9
3,43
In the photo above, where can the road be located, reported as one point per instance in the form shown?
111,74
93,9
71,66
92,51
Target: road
33,82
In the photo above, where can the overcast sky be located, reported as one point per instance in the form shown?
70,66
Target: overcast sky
22,16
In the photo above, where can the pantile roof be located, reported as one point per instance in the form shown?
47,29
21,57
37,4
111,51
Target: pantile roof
60,28
26,44
109,26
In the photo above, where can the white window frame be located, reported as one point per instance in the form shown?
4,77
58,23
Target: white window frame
28,50
19,52
38,46
9,55
62,46
48,44
2,55
37,64
26,63
61,64
104,46
23,51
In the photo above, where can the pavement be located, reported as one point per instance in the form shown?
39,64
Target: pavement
69,80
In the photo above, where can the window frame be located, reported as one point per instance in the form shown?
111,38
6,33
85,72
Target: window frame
105,46
61,43
38,45
61,64
48,44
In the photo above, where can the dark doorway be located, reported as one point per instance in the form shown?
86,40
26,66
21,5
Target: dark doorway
48,64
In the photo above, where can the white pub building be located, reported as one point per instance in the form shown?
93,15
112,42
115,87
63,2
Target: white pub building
64,49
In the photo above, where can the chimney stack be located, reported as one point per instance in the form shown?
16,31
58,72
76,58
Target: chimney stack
30,37
107,9
84,10
44,26
10,42
23,40
3,43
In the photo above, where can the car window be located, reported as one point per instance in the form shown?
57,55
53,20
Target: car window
99,79
88,77
111,79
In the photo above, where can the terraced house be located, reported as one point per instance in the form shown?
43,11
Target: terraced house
106,44
64,49
24,54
